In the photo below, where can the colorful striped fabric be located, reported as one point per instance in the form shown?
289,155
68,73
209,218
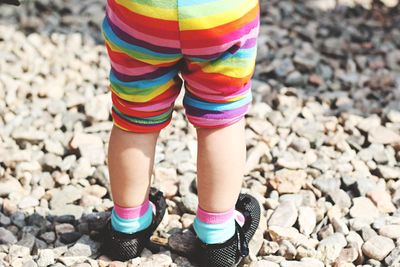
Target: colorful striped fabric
212,43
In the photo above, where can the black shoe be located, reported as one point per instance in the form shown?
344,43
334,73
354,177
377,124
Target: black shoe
122,247
232,251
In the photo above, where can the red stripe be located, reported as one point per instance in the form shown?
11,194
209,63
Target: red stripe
216,36
166,29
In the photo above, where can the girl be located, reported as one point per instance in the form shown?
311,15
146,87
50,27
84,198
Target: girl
212,45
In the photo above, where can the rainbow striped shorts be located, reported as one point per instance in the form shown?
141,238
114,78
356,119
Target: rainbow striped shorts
157,45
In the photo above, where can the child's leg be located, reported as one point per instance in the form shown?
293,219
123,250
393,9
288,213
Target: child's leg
220,58
220,166
130,162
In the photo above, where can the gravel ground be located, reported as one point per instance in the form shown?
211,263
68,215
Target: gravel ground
323,138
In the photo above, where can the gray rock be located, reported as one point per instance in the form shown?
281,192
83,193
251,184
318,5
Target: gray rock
394,257
391,231
18,219
68,209
284,67
388,172
326,184
67,195
28,202
182,242
331,246
9,185
365,185
46,257
190,203
72,260
285,215
4,220
30,263
383,135
364,208
307,220
378,247
367,233
79,249
181,261
287,250
83,169
340,198
295,79
307,61
289,181
17,251
7,237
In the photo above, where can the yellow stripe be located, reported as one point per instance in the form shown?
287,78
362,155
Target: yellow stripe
150,11
145,98
209,22
234,72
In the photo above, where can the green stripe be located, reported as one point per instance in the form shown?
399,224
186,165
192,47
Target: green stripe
158,3
134,91
149,120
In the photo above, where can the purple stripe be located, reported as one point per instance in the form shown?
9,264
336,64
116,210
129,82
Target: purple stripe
134,41
212,114
250,43
130,78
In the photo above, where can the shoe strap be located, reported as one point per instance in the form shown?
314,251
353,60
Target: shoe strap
243,246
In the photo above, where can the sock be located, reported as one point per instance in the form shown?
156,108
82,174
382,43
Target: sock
214,228
132,220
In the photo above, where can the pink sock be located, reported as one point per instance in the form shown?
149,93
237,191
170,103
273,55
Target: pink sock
133,213
212,218
132,220
216,227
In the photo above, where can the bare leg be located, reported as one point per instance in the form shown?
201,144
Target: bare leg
130,163
220,166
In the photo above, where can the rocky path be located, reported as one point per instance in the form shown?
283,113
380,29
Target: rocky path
323,139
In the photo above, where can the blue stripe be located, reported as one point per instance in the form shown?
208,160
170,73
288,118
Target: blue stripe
188,100
130,226
214,233
145,83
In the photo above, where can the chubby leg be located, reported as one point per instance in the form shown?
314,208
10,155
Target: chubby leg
220,166
130,162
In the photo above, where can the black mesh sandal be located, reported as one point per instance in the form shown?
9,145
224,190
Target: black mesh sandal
123,247
231,252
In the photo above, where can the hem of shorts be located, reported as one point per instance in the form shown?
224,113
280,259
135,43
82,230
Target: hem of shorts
143,129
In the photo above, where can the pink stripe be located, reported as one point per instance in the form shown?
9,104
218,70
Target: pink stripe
219,48
213,96
132,71
132,213
213,217
198,121
142,36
